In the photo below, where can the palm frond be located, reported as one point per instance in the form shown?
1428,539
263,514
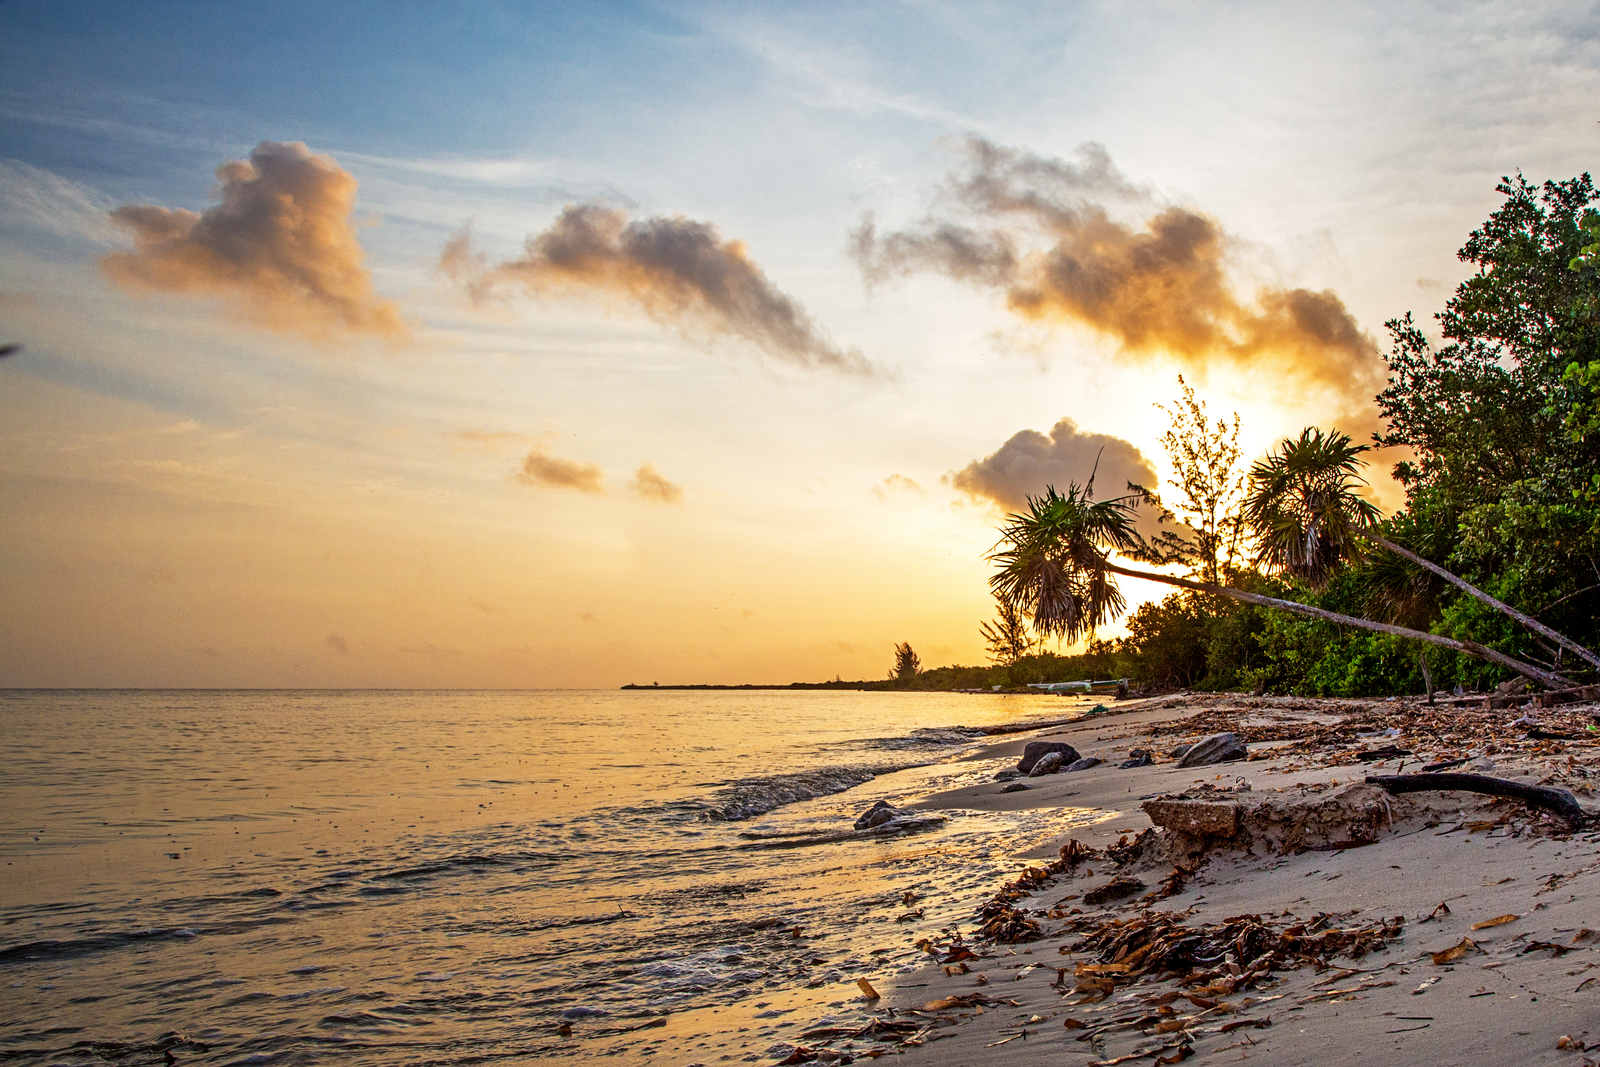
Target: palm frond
1303,506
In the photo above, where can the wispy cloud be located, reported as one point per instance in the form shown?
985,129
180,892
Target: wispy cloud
896,483
38,199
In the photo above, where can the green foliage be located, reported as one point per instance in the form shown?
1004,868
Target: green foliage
1303,506
1052,560
1209,491
1504,418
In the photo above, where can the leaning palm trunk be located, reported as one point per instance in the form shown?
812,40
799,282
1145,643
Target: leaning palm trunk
1469,648
1471,590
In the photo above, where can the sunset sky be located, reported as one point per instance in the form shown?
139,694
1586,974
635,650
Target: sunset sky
571,345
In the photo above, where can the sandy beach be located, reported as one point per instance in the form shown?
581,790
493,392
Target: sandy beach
1431,927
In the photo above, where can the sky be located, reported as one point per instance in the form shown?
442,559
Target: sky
573,345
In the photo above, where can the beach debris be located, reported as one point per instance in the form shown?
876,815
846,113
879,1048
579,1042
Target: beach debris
1557,801
1217,748
1426,983
1454,952
1387,752
1442,909
866,989
1499,920
1033,750
1216,960
1140,758
1049,763
1119,887
1201,818
1084,764
1015,787
1007,925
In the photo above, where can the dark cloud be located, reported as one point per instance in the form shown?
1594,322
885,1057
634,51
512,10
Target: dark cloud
649,484
1044,233
545,471
1030,461
279,249
679,272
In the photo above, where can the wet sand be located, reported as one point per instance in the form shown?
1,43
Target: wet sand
1512,996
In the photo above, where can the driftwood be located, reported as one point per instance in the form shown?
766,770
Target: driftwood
1557,801
1579,695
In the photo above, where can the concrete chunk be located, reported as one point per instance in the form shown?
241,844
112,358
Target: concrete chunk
1202,818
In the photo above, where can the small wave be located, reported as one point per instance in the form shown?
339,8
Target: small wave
748,797
37,951
453,863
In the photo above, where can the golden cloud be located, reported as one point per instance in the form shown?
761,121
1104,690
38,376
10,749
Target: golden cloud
650,485
279,250
1043,233
545,471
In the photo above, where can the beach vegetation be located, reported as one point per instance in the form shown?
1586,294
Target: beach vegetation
907,664
1286,576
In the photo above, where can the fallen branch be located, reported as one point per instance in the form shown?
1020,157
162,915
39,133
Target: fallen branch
1557,801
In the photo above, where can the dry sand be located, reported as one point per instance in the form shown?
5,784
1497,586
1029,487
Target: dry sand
1526,985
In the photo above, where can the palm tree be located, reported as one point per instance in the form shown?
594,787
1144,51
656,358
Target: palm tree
1055,564
1304,508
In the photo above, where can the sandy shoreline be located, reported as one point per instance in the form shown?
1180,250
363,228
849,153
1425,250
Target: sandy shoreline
1511,996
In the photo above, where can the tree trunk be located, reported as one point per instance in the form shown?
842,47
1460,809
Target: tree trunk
1469,648
1471,590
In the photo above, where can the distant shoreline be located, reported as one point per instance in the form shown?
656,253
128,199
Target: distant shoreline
748,685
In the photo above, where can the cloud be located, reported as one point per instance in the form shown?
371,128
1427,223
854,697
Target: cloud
679,272
896,483
545,471
279,250
1030,461
1046,233
38,199
486,440
649,484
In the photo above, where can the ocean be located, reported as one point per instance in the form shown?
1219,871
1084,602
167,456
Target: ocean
440,877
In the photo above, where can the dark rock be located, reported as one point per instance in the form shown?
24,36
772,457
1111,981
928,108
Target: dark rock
1218,748
1116,889
1084,764
1049,763
877,815
1035,749
1180,751
1015,787
886,818
1141,758
1007,774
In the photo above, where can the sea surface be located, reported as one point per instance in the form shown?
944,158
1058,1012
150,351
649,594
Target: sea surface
390,877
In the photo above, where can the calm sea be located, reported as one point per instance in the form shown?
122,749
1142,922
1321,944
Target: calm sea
285,877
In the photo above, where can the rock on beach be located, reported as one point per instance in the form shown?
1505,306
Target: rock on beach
1049,763
1036,749
1217,748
